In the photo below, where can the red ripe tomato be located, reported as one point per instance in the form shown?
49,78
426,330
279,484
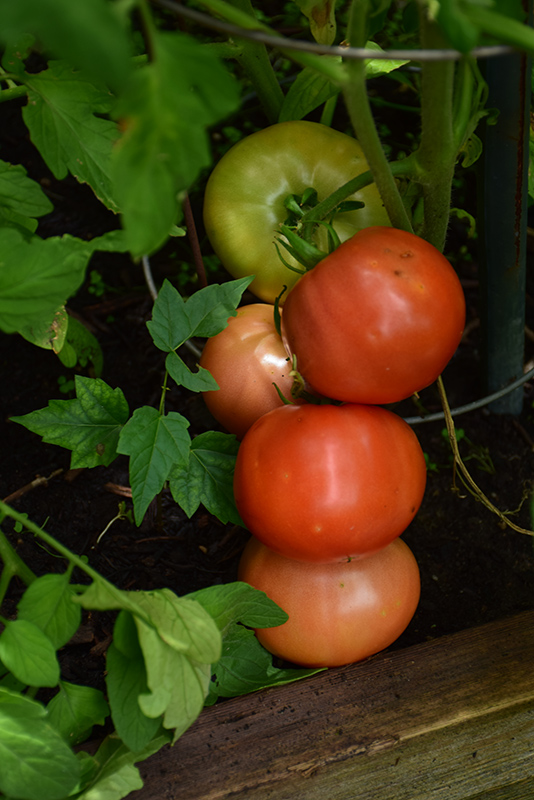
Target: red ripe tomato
328,483
377,320
246,359
338,613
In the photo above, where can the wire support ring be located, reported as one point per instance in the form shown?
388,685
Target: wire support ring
283,43
484,401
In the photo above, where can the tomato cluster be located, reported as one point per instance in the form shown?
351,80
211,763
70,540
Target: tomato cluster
326,488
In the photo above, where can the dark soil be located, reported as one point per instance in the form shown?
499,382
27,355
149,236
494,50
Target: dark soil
473,569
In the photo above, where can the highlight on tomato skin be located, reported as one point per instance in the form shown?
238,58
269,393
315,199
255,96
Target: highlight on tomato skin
246,359
377,320
338,613
326,482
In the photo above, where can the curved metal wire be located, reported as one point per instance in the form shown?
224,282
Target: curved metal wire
484,401
283,43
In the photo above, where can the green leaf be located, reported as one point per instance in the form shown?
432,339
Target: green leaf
177,655
322,18
24,225
84,345
502,20
200,381
114,775
74,710
61,116
167,108
170,325
205,313
245,666
207,478
47,603
37,276
309,90
103,596
35,762
126,680
208,309
380,66
155,443
181,623
46,334
238,601
89,34
89,426
29,654
16,51
21,194
461,33
178,639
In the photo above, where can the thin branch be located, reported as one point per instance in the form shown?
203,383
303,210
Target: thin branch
193,241
467,480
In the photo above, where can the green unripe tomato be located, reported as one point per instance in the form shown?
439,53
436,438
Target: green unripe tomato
245,194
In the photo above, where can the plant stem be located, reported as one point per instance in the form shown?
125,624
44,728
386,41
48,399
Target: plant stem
163,394
12,93
149,28
120,597
192,235
361,117
407,168
467,480
437,150
13,565
255,61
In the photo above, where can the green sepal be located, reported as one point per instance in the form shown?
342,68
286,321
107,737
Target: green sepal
304,252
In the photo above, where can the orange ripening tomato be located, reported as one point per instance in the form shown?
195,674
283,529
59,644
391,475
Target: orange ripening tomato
376,320
327,483
338,613
246,359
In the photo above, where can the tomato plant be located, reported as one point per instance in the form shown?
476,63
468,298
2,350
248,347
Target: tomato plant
338,613
325,482
245,194
246,359
377,320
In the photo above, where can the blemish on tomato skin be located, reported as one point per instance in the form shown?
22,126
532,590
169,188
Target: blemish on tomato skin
406,254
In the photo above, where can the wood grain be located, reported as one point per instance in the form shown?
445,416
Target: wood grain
449,719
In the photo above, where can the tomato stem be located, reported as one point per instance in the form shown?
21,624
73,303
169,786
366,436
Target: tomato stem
361,117
471,486
437,150
406,168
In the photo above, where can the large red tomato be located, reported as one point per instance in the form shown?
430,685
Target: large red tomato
377,320
246,359
328,483
338,613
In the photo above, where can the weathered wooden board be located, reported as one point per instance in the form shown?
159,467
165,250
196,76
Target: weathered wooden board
451,719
